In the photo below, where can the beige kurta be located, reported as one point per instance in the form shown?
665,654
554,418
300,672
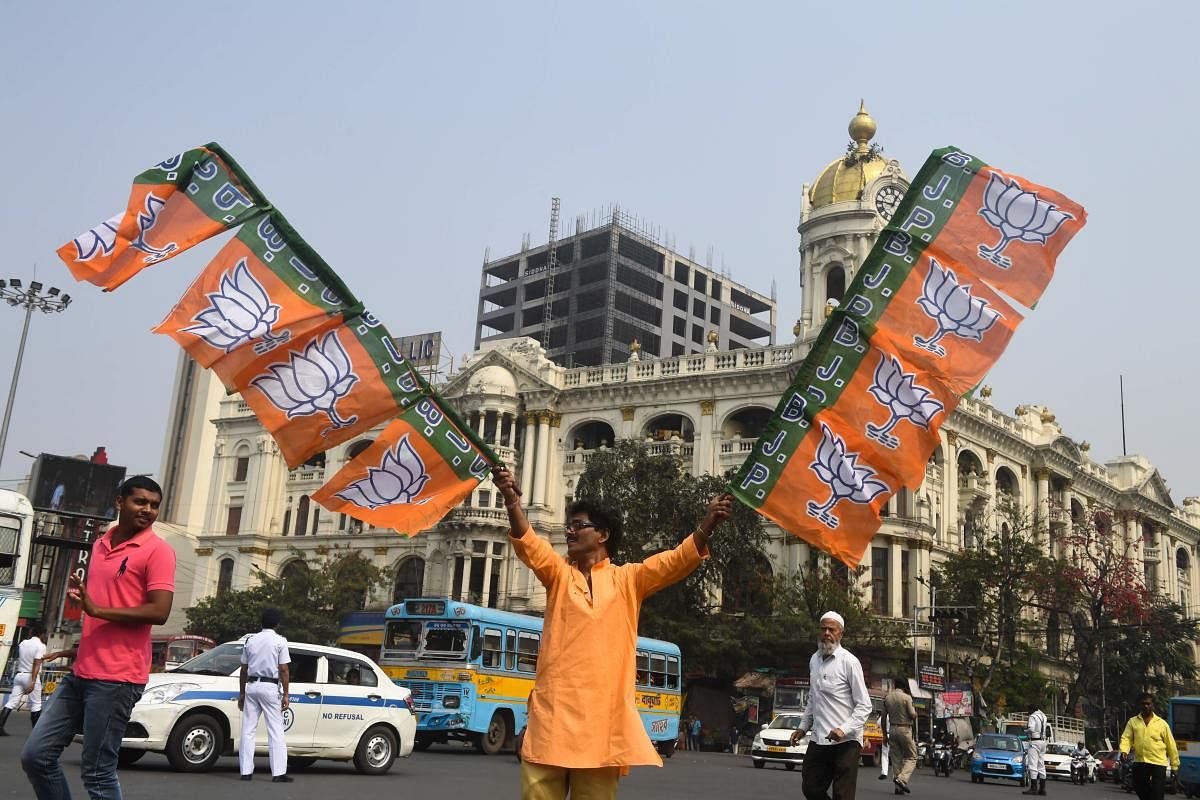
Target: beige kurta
581,713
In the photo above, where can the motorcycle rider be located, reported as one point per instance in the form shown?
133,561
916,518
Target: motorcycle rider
1081,754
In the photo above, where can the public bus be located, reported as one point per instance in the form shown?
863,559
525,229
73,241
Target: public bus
168,651
16,536
470,670
362,632
1183,715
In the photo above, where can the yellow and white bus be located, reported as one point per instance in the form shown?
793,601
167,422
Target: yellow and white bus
470,670
16,535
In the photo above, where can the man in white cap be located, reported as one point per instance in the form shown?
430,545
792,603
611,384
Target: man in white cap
836,712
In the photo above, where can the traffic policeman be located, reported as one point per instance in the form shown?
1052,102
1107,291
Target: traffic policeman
264,691
1038,729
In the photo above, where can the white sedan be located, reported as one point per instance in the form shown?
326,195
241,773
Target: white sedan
341,706
1058,761
773,744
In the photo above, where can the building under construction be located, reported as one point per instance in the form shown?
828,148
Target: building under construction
588,296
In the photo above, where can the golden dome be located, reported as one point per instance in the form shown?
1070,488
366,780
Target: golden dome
844,179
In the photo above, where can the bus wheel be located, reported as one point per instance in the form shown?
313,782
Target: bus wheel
666,748
422,743
490,741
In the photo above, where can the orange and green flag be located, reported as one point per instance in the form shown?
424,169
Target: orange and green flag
422,465
174,205
921,324
265,288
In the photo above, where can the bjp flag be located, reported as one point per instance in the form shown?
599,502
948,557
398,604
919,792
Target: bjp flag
265,288
922,322
422,465
174,205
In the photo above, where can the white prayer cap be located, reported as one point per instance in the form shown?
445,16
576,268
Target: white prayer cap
836,617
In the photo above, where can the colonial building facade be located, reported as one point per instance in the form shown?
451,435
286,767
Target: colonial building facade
252,515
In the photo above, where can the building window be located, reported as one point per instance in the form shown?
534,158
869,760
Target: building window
302,516
835,283
233,524
698,308
879,580
241,468
225,576
700,282
714,315
679,326
410,578
316,520
716,289
698,334
905,573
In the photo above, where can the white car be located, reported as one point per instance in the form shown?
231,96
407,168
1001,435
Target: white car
773,743
1058,761
341,706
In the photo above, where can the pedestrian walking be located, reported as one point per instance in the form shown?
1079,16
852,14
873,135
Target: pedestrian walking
263,691
901,715
884,748
27,682
130,588
836,712
1038,728
694,734
1149,737
584,731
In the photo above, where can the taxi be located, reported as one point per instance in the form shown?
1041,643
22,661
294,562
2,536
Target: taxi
773,743
341,706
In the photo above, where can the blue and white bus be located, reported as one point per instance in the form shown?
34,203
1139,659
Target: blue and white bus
470,670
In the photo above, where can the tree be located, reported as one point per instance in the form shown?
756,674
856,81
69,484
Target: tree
311,599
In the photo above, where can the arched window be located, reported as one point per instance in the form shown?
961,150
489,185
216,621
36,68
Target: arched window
225,576
356,448
835,283
410,577
295,576
302,515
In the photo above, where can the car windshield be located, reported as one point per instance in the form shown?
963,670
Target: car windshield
995,742
224,659
787,723
1061,749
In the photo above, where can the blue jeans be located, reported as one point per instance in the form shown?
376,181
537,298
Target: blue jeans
98,709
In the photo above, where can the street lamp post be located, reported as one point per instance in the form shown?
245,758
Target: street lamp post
31,299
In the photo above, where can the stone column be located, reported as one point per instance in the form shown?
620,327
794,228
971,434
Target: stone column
543,456
528,453
951,533
487,577
1042,508
464,588
895,576
480,423
704,459
552,479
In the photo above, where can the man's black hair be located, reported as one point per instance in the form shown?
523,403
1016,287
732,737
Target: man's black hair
604,519
140,482
270,618
1145,695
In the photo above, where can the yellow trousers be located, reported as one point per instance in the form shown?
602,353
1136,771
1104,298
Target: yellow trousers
541,782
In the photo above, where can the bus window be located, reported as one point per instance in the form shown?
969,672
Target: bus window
672,672
10,541
527,650
658,670
179,652
493,648
643,668
445,639
510,649
1185,720
400,638
476,643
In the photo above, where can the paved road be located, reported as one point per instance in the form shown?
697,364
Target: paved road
464,775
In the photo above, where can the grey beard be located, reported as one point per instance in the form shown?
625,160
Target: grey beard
825,648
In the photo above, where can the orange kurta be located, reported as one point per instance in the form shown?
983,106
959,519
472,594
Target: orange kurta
581,712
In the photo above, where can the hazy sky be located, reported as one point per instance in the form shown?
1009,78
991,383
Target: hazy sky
402,139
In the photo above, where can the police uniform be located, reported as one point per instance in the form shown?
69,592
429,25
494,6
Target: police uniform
29,651
1038,729
262,655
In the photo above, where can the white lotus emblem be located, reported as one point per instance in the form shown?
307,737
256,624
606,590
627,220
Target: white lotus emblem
239,312
98,241
898,392
399,478
953,308
311,382
1017,215
145,222
839,470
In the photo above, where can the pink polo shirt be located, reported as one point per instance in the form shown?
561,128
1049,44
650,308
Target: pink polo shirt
122,577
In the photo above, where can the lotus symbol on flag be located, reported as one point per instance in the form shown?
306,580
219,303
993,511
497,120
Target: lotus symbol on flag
1017,215
953,308
897,391
399,478
839,470
311,382
146,221
100,240
239,312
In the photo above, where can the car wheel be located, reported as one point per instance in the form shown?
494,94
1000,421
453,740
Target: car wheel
196,743
127,757
490,741
376,751
759,764
789,766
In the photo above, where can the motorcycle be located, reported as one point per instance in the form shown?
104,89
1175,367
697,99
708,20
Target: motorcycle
1079,770
941,760
923,753
962,758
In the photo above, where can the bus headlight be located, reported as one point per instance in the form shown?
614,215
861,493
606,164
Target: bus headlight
451,701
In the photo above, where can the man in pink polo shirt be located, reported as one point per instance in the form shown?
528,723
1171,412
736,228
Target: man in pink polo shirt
130,587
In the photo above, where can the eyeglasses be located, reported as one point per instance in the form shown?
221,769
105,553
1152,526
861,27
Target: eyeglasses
577,525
